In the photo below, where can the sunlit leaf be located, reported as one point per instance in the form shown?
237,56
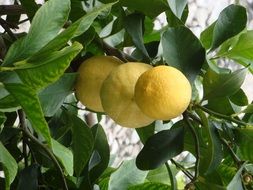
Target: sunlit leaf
45,26
150,186
29,101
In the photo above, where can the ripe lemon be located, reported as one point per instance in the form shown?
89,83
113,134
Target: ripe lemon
163,92
117,95
92,73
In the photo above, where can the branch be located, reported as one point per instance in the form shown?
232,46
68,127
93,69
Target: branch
173,183
21,115
196,139
11,10
7,27
50,154
226,117
179,166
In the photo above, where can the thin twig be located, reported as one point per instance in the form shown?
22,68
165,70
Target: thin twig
232,153
21,115
222,116
6,27
50,154
197,145
11,10
173,183
179,166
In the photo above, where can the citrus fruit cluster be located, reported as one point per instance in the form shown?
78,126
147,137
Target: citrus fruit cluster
133,94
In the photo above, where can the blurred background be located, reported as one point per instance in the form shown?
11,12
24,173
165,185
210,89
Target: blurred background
124,143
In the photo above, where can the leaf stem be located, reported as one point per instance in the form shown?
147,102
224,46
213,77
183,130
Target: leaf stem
187,173
50,154
173,182
197,145
222,116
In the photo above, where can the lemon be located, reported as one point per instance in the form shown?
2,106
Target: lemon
163,92
117,95
92,73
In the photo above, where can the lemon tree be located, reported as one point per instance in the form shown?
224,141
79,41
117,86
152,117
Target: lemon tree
191,113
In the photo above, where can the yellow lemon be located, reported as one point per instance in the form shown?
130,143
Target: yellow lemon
117,95
163,92
92,73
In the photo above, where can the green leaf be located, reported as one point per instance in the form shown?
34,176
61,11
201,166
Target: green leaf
236,183
160,147
30,6
239,98
8,104
133,25
248,109
82,142
39,74
210,148
244,140
52,97
183,50
74,30
29,101
222,84
232,20
151,8
102,147
64,155
159,175
146,132
177,7
46,24
206,37
2,119
242,50
150,186
127,174
9,164
221,105
32,173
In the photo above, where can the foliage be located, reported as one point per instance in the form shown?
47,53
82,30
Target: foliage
44,144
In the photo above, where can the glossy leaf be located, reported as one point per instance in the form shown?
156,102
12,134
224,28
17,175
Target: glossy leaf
239,98
244,140
29,178
29,101
236,183
76,29
177,7
159,175
9,164
248,109
206,37
2,119
159,148
151,8
102,147
150,186
8,104
82,142
52,97
146,132
126,175
219,85
221,105
41,73
183,50
232,20
242,49
133,25
64,155
45,26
